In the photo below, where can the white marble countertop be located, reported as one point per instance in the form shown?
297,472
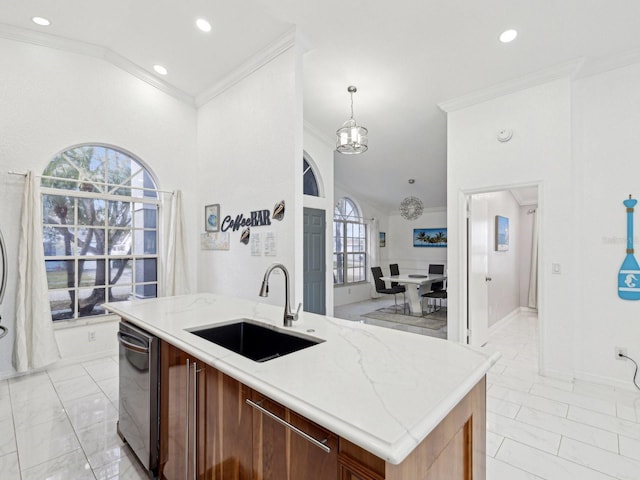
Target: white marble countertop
382,389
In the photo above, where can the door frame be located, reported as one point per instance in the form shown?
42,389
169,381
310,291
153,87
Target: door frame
462,220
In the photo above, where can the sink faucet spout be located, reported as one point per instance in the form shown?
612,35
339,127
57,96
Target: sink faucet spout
289,316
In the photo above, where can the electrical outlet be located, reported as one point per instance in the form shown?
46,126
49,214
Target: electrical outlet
620,351
92,336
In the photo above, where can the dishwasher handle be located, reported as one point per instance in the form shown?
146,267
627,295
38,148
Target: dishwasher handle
129,345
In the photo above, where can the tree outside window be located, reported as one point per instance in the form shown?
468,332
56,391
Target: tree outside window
100,230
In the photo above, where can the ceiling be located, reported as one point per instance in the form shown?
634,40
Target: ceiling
405,57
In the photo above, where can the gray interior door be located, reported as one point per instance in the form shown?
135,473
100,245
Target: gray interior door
314,261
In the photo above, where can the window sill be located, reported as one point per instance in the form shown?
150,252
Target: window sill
84,321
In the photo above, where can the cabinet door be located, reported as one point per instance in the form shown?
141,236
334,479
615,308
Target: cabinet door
183,401
227,433
175,401
287,446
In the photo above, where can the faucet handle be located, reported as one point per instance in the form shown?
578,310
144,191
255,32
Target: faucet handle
295,315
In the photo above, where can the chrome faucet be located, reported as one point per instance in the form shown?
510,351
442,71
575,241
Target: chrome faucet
289,316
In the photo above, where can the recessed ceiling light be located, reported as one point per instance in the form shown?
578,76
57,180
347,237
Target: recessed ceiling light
508,36
41,21
203,25
160,69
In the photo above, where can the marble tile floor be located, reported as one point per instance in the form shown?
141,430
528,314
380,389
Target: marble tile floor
544,428
60,424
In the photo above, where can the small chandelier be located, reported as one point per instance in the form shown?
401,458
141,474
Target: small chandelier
352,138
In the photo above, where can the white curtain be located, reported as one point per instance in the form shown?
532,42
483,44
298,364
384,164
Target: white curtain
34,342
533,275
374,253
175,278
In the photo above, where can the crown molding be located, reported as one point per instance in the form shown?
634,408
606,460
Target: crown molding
324,139
41,39
565,70
595,67
263,57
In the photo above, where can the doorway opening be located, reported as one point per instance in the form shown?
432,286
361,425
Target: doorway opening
501,259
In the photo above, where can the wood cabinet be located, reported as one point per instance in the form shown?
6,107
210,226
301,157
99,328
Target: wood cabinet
181,413
454,450
213,427
287,446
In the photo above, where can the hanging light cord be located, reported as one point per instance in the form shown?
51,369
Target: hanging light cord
634,373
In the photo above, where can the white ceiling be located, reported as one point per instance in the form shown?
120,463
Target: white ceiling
405,57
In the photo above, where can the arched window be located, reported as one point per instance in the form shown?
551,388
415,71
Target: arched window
349,244
310,182
100,220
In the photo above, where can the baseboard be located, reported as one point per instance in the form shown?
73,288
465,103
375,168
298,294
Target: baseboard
504,321
64,362
626,385
557,374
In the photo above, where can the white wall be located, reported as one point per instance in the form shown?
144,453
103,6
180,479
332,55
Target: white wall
321,154
400,247
606,142
504,266
580,140
52,100
540,151
250,158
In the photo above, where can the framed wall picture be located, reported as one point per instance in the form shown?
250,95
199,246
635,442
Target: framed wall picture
502,234
212,218
383,239
429,237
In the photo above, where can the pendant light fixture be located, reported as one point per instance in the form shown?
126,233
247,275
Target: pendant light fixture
352,138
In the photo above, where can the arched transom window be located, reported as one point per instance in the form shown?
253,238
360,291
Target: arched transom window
349,244
100,221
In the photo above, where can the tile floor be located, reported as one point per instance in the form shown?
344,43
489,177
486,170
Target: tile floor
543,428
60,424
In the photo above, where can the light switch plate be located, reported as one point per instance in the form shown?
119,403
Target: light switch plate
555,268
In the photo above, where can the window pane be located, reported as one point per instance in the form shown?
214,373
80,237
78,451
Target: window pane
60,273
58,241
120,293
91,212
91,241
146,291
91,273
338,269
62,302
58,209
146,270
119,242
145,242
119,214
90,301
145,215
120,271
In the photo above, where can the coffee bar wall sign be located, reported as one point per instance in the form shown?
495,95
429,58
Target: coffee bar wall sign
232,223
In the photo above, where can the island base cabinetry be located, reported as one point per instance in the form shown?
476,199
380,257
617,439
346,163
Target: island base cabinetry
213,427
454,450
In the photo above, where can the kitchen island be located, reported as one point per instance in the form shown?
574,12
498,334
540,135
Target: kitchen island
382,392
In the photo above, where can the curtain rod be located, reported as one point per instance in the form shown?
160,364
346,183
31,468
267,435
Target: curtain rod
21,174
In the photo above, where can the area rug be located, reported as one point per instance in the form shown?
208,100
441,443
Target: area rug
435,321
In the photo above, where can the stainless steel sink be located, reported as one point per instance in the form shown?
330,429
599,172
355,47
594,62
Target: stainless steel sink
254,341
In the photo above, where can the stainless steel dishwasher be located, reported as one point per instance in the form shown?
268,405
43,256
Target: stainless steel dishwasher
139,394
